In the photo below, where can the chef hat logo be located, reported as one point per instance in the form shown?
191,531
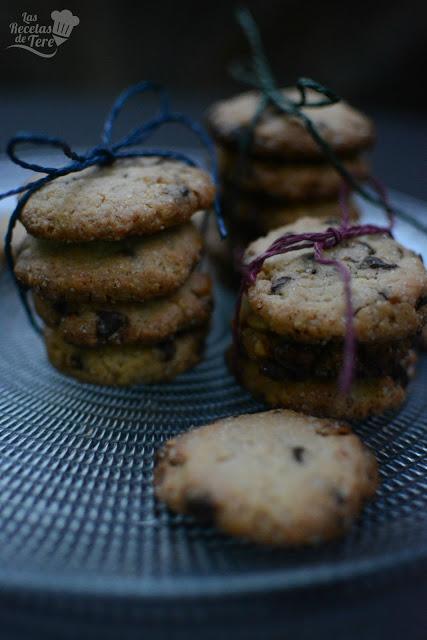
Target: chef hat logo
63,24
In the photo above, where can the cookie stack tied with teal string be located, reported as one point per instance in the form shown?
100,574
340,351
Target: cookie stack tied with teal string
273,171
293,327
111,259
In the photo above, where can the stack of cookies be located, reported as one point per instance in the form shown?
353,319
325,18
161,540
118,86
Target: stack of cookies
283,175
110,259
291,328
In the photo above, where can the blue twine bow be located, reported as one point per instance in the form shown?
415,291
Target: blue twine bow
102,155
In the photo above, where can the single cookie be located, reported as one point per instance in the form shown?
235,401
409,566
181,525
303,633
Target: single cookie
132,322
265,214
316,396
127,364
295,296
131,197
277,477
131,270
286,359
276,135
290,182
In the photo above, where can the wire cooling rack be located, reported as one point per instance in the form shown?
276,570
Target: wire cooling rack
78,517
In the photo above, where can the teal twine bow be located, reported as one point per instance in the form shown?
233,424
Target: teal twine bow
258,75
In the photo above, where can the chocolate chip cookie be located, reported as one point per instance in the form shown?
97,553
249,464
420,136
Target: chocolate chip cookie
344,128
265,214
319,396
279,477
295,296
132,322
291,182
131,197
135,269
126,364
285,358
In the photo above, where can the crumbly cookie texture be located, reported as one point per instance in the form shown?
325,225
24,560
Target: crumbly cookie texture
126,364
320,397
293,295
132,322
290,182
131,197
278,477
136,269
267,214
345,129
296,360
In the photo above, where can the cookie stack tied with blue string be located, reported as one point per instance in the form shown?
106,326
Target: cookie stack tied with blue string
111,260
329,329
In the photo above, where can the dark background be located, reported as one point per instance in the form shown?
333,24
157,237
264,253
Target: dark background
372,53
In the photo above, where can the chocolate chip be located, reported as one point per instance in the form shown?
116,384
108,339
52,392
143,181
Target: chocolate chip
125,175
383,295
108,323
201,507
298,454
421,258
421,302
372,262
76,362
167,350
185,192
61,307
278,284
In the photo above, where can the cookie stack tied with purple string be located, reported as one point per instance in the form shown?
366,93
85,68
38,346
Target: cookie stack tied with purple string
111,261
327,327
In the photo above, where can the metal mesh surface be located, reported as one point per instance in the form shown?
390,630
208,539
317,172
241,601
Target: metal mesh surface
77,511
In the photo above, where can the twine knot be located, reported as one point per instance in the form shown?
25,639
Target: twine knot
338,234
104,155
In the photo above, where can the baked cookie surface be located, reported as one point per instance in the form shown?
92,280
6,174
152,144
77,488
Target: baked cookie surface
290,182
131,270
126,364
299,360
295,296
265,214
277,477
317,396
345,129
128,323
131,197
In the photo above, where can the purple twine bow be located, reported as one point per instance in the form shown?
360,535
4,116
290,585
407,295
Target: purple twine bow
321,242
104,154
